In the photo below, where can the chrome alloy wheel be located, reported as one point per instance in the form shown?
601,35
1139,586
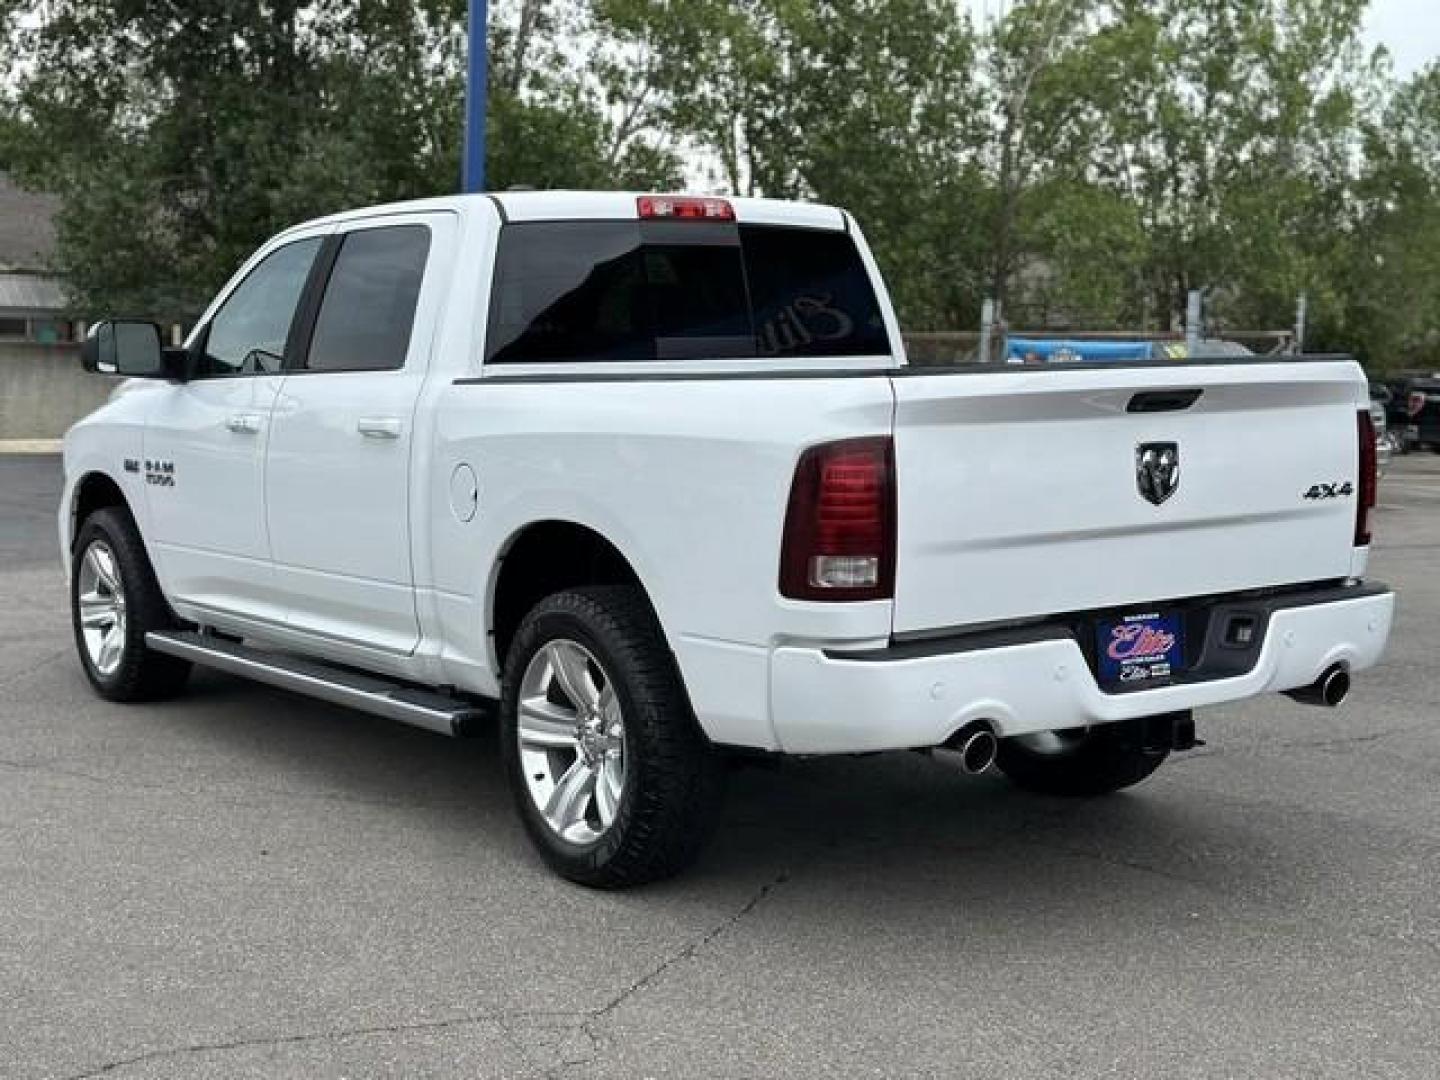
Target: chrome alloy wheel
571,733
101,607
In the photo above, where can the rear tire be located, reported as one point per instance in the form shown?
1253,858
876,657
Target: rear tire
1096,761
613,779
114,602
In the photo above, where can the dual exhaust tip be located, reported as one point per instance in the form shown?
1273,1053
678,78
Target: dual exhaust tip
973,748
1329,690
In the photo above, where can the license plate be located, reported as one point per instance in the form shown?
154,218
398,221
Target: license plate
1139,649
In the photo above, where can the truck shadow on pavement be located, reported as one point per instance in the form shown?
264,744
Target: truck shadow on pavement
834,823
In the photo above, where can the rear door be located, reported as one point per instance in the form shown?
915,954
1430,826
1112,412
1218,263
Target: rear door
337,473
1032,493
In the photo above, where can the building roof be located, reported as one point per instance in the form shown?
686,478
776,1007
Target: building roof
30,294
27,230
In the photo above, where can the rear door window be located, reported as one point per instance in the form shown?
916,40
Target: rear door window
368,311
661,290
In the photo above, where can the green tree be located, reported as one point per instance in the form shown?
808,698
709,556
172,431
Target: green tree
1085,161
181,135
1384,301
870,104
1229,125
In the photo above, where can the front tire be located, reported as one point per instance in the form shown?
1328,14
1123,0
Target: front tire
114,602
1094,761
612,777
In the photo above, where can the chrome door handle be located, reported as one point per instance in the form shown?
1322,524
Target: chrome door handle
378,427
244,423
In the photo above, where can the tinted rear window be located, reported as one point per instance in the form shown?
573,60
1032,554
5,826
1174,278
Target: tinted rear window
630,290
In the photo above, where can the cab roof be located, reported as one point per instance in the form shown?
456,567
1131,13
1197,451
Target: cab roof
596,205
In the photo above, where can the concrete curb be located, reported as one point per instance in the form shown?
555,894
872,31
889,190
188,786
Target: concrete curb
29,446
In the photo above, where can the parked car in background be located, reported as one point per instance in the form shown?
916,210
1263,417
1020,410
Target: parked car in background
1412,411
1062,350
1384,448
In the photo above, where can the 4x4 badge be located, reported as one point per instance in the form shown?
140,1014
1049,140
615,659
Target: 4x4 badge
1157,470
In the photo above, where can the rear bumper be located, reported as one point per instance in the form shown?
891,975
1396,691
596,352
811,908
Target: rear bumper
1039,680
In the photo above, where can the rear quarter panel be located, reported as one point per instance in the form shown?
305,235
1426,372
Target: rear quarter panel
688,478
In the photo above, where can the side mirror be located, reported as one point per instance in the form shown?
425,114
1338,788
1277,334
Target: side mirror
128,347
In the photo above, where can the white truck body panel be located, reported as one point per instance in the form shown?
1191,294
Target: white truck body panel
1018,489
209,540
688,479
344,441
826,704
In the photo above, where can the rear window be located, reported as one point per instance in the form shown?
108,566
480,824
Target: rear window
664,290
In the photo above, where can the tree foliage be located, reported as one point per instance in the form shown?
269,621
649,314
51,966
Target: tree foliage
181,135
1086,162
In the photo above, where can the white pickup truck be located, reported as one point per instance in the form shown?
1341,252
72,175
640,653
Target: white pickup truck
649,478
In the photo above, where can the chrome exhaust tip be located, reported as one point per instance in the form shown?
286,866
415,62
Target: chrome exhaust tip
1329,690
972,749
1335,686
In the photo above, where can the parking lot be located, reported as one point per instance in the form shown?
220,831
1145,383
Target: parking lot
244,883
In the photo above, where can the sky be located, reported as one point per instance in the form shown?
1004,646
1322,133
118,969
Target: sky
1410,29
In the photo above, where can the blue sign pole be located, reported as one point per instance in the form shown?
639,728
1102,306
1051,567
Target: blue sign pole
472,173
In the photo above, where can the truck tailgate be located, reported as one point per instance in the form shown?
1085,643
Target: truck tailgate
1018,494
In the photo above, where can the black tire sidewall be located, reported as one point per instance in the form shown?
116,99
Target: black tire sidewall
109,527
674,782
142,674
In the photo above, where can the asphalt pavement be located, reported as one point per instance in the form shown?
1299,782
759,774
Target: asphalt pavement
244,883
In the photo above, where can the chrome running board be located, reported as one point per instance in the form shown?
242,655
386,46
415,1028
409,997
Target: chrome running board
368,693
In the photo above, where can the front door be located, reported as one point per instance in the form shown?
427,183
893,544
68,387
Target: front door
337,475
205,442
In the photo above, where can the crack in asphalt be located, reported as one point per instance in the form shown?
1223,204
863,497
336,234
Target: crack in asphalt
1348,740
499,1019
503,1019
575,1022
600,1015
1125,864
691,949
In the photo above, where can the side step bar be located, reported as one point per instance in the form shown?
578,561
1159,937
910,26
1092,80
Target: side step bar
368,693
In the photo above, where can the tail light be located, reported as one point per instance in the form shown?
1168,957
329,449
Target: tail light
1369,478
840,526
684,208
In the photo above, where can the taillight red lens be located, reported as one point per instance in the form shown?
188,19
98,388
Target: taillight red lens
840,526
684,208
1369,482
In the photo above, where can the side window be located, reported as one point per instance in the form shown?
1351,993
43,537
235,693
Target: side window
570,291
369,306
247,335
